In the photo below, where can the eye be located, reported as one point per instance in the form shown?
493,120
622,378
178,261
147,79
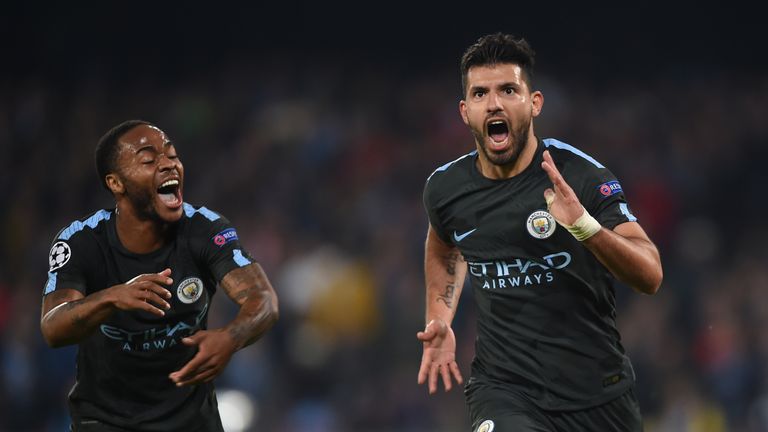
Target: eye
478,93
148,161
509,90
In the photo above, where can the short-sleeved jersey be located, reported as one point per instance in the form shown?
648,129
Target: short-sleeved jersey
123,367
546,305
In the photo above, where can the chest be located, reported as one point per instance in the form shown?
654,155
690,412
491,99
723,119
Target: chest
503,220
192,285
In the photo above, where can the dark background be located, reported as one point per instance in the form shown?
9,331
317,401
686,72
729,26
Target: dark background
313,127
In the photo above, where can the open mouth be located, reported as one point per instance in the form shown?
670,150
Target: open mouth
170,193
498,130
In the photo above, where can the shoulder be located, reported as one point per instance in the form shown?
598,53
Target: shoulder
450,174
79,228
202,220
78,238
201,214
578,167
570,155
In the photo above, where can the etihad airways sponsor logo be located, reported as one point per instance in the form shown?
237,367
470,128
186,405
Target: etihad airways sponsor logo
518,272
155,338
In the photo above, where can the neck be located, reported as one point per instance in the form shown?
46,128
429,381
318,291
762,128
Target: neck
500,172
136,234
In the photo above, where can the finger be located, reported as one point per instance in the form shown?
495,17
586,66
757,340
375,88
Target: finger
446,374
426,361
202,375
154,287
426,336
456,372
155,299
433,378
422,376
190,368
549,166
157,278
549,197
140,304
191,341
560,185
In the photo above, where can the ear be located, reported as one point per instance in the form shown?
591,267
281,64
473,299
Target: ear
115,184
537,103
463,111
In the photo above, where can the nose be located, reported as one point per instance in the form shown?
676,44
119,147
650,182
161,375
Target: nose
165,163
494,102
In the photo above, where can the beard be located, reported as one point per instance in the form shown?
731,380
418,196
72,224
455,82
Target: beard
518,137
142,201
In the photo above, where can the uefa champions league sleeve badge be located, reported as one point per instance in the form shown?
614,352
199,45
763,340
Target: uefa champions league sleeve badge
541,224
59,256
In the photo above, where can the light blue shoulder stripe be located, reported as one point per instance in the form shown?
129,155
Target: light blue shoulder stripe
448,165
190,210
551,142
71,230
50,286
78,226
625,210
240,260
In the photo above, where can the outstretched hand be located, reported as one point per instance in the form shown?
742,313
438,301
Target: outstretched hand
562,202
214,349
144,292
439,356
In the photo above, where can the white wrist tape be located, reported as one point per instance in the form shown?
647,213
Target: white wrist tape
584,227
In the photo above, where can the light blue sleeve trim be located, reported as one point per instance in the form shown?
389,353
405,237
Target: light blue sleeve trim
50,286
551,142
190,210
448,165
239,258
78,226
625,210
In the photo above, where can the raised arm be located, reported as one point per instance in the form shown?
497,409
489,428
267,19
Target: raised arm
445,270
67,316
249,287
630,256
626,251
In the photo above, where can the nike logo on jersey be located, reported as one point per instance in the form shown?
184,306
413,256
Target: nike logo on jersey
459,237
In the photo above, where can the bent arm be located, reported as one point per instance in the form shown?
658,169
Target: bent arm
249,287
445,270
68,317
629,255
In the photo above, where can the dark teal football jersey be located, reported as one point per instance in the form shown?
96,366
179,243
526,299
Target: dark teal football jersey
546,305
123,367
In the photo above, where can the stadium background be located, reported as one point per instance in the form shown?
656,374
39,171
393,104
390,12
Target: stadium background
313,128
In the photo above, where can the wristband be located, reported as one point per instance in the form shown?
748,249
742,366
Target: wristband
584,227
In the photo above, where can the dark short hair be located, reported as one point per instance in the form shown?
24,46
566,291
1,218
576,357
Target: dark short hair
106,149
498,48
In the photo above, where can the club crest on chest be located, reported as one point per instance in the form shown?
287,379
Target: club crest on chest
541,224
190,290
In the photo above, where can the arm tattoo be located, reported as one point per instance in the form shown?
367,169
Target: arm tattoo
76,319
450,261
248,287
237,286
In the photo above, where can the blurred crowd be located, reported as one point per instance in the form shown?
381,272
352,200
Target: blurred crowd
321,168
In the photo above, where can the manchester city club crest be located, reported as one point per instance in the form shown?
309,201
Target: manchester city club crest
541,224
486,426
190,290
